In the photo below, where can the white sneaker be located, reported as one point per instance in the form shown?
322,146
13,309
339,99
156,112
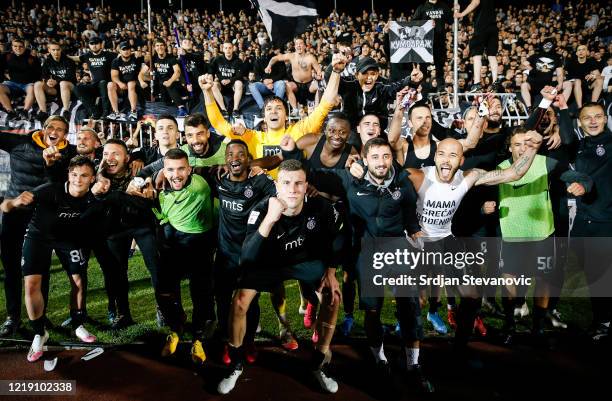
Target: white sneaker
37,348
555,320
84,335
327,383
522,312
227,384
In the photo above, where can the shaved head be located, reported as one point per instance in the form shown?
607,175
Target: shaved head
448,159
452,145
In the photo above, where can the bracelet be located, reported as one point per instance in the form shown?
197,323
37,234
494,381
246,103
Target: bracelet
545,103
338,72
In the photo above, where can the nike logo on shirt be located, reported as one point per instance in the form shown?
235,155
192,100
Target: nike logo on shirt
362,194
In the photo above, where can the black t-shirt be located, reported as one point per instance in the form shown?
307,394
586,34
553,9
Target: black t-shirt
576,70
164,67
223,68
24,69
195,65
484,17
62,70
99,65
311,235
58,215
236,200
439,12
544,66
128,70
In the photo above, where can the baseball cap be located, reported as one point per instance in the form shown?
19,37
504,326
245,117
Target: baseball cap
365,64
345,38
125,45
95,40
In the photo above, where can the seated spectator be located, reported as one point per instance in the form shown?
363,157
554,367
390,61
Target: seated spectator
582,73
228,71
23,69
58,78
167,74
98,63
268,84
125,71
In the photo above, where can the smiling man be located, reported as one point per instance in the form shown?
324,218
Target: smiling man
238,194
185,213
127,217
36,158
289,237
266,143
433,184
594,211
57,225
364,94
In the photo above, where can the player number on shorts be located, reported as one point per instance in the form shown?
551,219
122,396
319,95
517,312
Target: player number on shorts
544,263
76,256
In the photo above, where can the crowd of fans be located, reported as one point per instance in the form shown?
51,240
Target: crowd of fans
552,57
522,32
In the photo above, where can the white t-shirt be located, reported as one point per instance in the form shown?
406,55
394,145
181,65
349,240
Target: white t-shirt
438,201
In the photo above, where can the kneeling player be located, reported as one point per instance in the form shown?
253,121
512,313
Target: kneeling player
56,224
289,238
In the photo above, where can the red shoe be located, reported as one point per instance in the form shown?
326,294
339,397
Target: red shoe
310,316
225,357
288,341
451,316
250,353
480,326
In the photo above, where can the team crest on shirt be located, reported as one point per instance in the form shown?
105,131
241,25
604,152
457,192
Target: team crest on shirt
396,195
311,224
600,151
248,192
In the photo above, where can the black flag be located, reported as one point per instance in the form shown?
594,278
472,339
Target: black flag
286,19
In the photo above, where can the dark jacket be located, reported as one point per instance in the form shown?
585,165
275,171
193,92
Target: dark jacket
593,158
358,103
28,168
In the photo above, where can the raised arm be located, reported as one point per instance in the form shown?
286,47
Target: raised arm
281,57
475,132
314,122
513,173
566,129
214,114
395,126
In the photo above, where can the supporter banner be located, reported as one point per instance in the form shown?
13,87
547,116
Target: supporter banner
411,42
404,266
286,19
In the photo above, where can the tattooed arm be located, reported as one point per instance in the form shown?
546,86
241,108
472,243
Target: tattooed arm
513,173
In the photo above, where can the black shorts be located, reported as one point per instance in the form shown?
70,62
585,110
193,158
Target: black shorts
484,41
303,94
267,279
36,257
531,258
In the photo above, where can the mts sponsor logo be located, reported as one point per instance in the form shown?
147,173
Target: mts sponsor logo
234,206
296,243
